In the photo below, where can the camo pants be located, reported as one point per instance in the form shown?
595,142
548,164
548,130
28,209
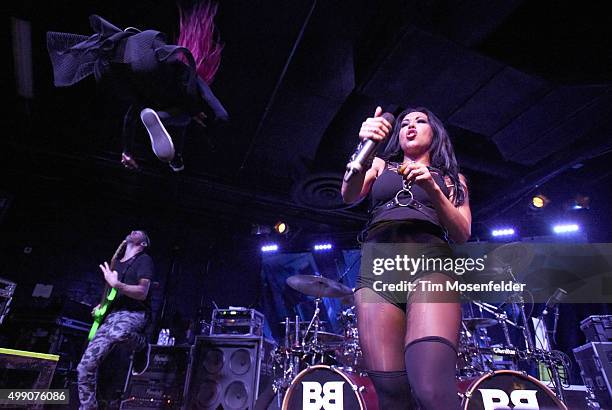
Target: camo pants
118,327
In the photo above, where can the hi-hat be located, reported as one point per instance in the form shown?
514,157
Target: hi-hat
318,286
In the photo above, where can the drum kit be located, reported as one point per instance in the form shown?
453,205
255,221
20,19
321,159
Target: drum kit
311,354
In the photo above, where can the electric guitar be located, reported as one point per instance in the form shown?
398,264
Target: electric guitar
108,297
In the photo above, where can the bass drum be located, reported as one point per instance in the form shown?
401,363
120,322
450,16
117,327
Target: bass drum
507,389
331,388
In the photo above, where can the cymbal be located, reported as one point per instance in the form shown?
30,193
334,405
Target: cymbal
514,255
318,286
478,322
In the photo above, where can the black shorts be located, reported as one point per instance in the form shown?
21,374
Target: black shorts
427,239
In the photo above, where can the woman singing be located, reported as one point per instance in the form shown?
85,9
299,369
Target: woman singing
417,196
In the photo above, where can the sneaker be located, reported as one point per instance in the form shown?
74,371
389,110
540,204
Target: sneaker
161,142
177,163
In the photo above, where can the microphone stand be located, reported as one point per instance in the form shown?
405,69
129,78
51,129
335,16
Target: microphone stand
347,270
553,301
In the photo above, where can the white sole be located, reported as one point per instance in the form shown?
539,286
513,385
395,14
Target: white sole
161,143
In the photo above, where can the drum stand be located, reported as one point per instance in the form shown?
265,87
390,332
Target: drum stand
502,319
315,321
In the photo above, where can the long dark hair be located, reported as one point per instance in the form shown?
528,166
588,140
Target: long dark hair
441,152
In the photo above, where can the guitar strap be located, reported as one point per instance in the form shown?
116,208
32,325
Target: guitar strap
107,288
129,265
127,268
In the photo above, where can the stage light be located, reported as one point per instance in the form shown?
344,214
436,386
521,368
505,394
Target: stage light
281,228
539,201
257,229
504,232
566,228
581,202
272,247
322,247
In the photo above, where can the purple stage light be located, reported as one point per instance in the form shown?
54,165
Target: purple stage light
566,228
503,232
323,247
270,248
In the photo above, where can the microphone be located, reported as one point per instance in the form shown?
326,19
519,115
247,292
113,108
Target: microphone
363,153
554,300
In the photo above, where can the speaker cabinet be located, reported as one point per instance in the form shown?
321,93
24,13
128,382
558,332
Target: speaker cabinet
225,372
595,361
162,382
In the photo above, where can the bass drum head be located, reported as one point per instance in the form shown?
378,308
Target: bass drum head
507,389
330,388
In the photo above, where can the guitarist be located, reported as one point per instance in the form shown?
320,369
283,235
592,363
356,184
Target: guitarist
130,273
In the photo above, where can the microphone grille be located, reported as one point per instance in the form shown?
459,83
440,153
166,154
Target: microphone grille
389,117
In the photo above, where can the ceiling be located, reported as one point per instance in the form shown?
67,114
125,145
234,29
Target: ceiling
524,87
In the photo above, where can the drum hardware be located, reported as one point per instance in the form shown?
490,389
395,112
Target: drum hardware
500,317
313,322
349,353
504,261
474,358
476,354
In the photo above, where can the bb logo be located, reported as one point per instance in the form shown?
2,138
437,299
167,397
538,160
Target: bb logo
326,397
495,399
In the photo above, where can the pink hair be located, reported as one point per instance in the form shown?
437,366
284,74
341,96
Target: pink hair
197,33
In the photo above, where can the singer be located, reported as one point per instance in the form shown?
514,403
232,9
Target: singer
417,196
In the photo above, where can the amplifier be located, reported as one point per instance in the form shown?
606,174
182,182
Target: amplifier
595,361
237,321
162,383
597,328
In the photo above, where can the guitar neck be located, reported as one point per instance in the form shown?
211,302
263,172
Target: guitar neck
105,294
113,263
